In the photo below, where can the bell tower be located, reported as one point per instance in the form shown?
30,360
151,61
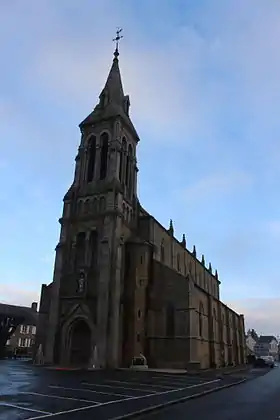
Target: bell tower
99,214
107,154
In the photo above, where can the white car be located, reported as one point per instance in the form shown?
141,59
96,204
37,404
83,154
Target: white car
269,360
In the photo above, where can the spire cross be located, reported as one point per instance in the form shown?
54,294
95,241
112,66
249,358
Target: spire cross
117,39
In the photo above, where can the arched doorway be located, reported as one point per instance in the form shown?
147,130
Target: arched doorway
80,342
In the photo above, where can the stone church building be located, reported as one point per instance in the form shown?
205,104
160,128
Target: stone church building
123,284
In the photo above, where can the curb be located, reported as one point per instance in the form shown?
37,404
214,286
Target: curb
149,410
156,371
184,373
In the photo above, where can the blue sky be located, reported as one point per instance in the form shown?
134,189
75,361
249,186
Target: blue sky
203,79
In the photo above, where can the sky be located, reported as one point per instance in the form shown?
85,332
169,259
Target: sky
204,84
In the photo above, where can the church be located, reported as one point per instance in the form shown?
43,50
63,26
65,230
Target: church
123,285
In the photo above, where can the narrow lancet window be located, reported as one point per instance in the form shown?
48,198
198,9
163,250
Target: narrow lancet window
91,159
80,248
104,155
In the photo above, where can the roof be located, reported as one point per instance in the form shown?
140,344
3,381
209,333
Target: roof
14,311
253,334
266,338
133,239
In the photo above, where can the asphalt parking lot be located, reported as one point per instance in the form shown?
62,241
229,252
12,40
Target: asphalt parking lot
28,392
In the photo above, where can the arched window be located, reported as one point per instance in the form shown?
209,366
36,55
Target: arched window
121,164
122,161
87,206
91,159
214,321
170,320
80,248
80,207
132,173
201,313
214,314
162,255
128,168
132,176
104,155
93,248
102,204
178,262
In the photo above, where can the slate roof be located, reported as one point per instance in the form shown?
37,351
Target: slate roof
13,311
253,334
266,338
115,106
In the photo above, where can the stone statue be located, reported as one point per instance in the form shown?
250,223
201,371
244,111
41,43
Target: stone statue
81,283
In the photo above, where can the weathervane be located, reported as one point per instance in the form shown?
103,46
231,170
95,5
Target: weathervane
117,39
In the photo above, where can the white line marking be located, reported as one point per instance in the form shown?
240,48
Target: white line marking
90,390
19,407
142,383
203,383
178,376
159,378
146,410
118,401
166,381
120,387
59,397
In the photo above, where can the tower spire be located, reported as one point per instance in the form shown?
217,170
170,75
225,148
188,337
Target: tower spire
171,228
113,103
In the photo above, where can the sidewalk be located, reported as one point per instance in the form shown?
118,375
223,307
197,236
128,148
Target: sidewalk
219,371
228,370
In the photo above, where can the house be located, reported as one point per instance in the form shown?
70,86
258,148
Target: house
267,345
21,322
251,340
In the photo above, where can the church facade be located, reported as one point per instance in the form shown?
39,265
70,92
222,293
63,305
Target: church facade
123,284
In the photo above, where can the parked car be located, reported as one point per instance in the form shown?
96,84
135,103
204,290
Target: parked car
264,361
269,360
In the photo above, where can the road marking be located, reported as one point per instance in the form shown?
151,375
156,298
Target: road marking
163,406
185,379
141,383
202,383
74,410
19,407
90,390
120,387
59,397
178,376
177,382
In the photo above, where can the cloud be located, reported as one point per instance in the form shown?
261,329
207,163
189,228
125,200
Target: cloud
17,295
216,67
218,185
261,314
204,88
155,90
172,92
